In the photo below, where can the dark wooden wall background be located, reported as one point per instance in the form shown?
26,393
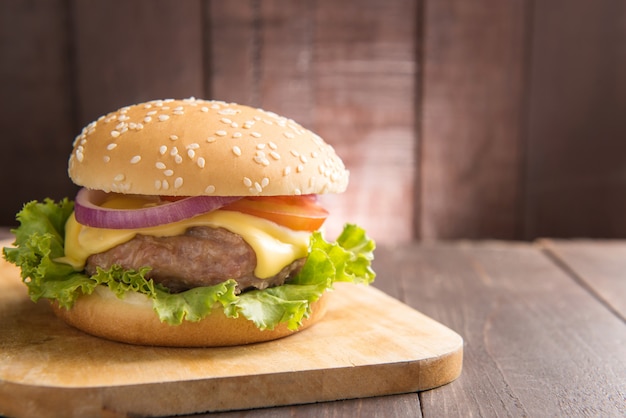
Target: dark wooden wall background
458,119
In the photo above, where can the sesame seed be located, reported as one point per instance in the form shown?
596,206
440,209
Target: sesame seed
226,121
115,134
178,182
191,153
157,184
178,112
260,146
193,145
147,119
299,168
275,155
178,108
166,185
152,112
162,150
163,117
200,162
135,159
237,135
119,177
111,146
174,151
178,159
204,109
210,189
303,159
314,154
121,125
286,171
247,182
168,173
289,135
295,153
211,139
160,165
258,187
297,192
220,133
236,150
173,137
255,134
147,106
272,145
265,182
79,156
234,125
106,158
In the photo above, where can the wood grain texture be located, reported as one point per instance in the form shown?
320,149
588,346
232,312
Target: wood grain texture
484,120
407,405
344,70
537,343
131,52
600,266
36,110
576,128
364,81
471,114
232,55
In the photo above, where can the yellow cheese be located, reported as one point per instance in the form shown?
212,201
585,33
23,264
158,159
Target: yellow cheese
275,246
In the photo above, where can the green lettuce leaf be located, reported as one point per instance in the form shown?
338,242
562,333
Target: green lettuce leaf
40,241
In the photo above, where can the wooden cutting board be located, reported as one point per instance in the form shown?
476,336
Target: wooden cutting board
368,344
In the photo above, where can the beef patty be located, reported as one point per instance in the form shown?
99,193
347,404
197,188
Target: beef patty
202,256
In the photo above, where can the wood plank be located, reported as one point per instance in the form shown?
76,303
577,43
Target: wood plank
406,405
391,349
344,70
285,50
36,110
472,114
576,131
233,61
537,343
131,52
600,266
364,94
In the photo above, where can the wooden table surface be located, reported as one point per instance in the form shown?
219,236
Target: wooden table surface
543,325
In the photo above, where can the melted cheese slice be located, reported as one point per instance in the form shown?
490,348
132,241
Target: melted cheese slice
275,246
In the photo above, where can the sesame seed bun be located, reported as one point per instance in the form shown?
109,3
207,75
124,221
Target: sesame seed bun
195,147
132,320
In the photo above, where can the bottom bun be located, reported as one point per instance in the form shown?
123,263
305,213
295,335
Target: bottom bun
132,320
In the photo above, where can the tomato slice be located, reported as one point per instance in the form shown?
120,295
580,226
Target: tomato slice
300,213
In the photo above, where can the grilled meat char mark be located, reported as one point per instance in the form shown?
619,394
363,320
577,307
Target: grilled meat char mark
202,256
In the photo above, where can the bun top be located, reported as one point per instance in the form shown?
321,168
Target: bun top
196,147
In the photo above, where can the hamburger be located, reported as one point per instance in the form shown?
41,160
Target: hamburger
196,223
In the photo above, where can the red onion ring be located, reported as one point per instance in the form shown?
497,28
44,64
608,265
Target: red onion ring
88,211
